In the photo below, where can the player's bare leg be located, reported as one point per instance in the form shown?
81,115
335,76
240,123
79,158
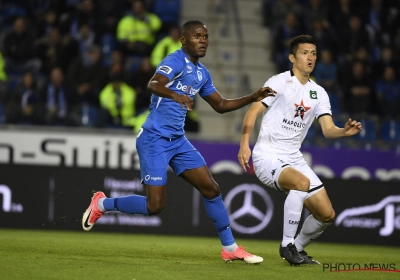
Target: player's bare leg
322,215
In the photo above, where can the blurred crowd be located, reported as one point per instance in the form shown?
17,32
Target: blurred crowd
358,43
88,62
82,62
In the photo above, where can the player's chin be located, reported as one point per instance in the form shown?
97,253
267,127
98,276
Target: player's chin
202,53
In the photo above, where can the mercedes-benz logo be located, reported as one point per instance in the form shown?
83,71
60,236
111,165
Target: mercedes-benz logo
248,208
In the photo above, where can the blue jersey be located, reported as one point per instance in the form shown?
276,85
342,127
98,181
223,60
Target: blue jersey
166,117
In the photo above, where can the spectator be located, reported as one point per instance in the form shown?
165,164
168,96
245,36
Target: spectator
85,38
388,93
376,16
24,106
323,34
118,101
140,79
340,13
315,10
386,60
56,99
169,13
281,8
19,50
3,80
50,50
355,36
326,72
87,77
166,46
289,29
136,32
358,91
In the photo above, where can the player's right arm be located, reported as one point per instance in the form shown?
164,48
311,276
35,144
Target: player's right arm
157,86
248,124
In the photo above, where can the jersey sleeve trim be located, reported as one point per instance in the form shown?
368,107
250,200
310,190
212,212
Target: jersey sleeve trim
326,114
265,104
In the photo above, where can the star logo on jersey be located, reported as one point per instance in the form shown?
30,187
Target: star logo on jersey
301,109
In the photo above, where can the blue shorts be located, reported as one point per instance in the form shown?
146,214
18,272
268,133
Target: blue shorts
157,152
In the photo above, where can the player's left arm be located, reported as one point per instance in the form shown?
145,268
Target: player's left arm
331,131
222,105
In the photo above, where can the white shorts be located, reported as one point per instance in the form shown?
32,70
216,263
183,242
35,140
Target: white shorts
269,169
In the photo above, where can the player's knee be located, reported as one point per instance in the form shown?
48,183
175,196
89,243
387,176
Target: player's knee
154,208
211,194
210,190
329,217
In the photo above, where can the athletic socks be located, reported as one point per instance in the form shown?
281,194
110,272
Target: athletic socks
291,215
133,204
216,210
311,229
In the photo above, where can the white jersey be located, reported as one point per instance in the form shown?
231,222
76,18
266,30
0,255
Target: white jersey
289,115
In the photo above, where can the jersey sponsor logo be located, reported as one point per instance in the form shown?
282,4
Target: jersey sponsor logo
188,89
313,94
199,75
164,68
301,110
293,123
148,177
384,215
293,222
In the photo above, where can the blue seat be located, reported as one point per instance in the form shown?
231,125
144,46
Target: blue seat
335,104
108,43
390,131
2,114
368,132
89,115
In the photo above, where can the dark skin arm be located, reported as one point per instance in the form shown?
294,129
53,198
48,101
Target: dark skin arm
157,86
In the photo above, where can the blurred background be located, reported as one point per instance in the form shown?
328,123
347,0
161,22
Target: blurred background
73,92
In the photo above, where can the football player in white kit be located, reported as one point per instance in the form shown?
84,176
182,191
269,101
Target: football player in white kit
278,162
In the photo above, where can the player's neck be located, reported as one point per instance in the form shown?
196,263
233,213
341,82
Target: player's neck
192,59
302,77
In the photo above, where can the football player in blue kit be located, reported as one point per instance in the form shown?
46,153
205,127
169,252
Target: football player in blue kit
161,142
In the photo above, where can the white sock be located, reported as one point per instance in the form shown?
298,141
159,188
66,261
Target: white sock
230,248
291,215
312,228
100,204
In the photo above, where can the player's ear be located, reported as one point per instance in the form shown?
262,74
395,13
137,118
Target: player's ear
292,58
183,40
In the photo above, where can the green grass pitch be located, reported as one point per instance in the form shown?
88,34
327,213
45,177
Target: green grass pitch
31,254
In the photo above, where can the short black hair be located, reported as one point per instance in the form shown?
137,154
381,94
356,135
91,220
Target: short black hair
190,23
302,39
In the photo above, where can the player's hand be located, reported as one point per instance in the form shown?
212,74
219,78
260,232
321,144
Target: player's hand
352,127
262,93
184,100
244,157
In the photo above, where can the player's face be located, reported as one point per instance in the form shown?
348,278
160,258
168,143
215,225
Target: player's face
195,41
305,58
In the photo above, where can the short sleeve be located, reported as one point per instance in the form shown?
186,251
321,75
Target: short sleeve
276,84
208,88
324,106
170,67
